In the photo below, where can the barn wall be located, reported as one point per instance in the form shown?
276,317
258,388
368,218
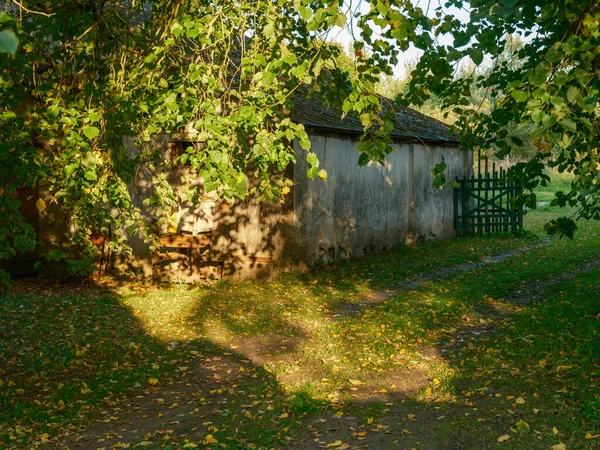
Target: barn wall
251,238
434,208
359,210
247,239
355,211
139,261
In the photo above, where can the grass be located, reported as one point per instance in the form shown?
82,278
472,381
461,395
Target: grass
558,182
538,373
456,347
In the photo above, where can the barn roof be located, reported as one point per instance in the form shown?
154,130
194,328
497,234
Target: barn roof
409,125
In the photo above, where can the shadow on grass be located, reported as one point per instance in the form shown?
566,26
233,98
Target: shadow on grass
72,353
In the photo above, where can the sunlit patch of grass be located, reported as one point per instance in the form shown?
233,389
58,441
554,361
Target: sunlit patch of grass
558,182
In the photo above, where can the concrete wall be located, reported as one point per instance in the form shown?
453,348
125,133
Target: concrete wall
359,210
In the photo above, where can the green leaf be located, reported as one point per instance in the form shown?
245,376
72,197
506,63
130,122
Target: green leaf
268,31
70,168
95,116
150,58
312,159
363,159
539,76
549,120
303,139
382,8
581,76
312,172
476,55
91,132
560,78
5,18
305,13
241,186
193,32
89,160
176,29
216,157
340,20
9,43
569,124
5,116
520,96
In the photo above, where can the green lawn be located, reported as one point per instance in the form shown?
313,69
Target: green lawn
558,182
450,361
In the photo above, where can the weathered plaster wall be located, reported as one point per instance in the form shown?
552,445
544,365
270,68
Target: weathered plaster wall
252,239
140,259
359,210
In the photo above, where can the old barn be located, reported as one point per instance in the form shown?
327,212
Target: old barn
355,211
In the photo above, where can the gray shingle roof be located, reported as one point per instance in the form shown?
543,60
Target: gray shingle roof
410,125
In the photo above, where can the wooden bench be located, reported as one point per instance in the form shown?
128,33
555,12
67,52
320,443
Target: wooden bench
185,257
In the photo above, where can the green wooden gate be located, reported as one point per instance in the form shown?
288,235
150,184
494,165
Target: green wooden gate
485,204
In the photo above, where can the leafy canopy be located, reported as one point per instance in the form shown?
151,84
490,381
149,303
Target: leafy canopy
552,91
90,72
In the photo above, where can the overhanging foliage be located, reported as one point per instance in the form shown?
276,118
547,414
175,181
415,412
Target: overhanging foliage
89,72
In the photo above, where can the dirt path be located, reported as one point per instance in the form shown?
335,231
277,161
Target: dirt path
404,426
532,291
375,297
171,413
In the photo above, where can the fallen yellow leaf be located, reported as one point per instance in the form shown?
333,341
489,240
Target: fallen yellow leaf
504,437
152,381
560,446
209,439
337,443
